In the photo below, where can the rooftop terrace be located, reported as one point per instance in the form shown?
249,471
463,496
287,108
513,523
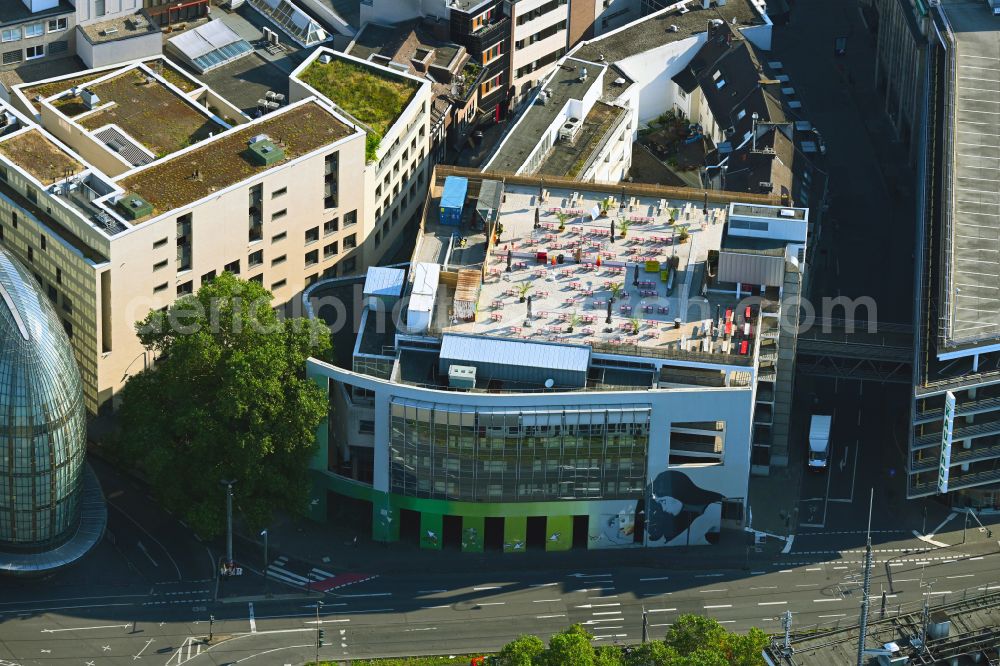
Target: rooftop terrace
221,162
659,312
37,155
147,110
369,94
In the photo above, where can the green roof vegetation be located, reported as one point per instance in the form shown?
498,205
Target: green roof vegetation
225,160
53,87
374,97
38,156
149,112
171,74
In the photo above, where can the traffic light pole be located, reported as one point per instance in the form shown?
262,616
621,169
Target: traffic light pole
319,631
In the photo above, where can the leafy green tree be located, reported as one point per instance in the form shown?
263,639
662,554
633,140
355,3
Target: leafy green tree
655,653
571,646
227,399
690,633
522,651
703,657
608,655
745,649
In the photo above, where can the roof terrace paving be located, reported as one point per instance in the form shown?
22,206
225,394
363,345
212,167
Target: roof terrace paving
971,270
222,161
118,28
37,155
655,30
369,94
582,288
150,112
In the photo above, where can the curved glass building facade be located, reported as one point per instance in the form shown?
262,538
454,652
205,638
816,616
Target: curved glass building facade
42,422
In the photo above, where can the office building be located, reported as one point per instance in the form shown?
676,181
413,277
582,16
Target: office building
562,365
51,508
954,442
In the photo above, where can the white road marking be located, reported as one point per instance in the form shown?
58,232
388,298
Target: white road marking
483,588
546,617
422,629
542,584
710,575
834,615
364,596
491,603
771,603
430,591
433,607
656,578
328,621
961,576
821,601
715,590
138,655
765,587
815,569
598,638
544,601
608,613
660,610
719,606
103,626
806,584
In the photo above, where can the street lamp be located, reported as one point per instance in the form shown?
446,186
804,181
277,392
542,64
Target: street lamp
263,533
228,483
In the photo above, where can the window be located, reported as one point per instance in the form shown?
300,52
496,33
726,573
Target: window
10,35
259,278
482,20
31,254
280,192
58,276
277,261
255,212
278,285
331,226
13,219
312,235
366,427
12,57
185,288
53,294
99,8
160,287
720,84
312,258
42,240
55,25
741,115
34,52
331,180
232,267
697,443
351,219
330,250
208,277
492,84
255,258
279,214
492,53
67,304
68,327
350,242
160,265
279,237
184,244
33,30
3,172
160,243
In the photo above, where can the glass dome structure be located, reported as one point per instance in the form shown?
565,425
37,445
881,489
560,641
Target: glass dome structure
42,431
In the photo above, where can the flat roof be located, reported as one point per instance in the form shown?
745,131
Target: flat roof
147,110
564,84
384,281
560,291
39,156
221,161
13,12
655,30
369,93
475,349
569,159
971,269
118,28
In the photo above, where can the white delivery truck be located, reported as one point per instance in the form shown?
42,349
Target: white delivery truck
819,441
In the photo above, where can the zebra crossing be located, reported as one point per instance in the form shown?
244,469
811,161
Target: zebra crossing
297,575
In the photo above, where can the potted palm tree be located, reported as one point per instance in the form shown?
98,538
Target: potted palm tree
683,236
523,289
616,290
634,321
604,206
624,225
673,215
562,220
574,321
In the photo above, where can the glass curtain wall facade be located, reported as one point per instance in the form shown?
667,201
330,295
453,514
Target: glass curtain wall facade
517,454
42,422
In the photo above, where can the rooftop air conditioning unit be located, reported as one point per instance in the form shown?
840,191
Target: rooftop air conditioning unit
90,99
325,58
673,28
570,129
766,185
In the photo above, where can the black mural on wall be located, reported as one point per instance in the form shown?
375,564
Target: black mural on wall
673,502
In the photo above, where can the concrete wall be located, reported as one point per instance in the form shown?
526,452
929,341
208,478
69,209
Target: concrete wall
653,70
86,10
119,51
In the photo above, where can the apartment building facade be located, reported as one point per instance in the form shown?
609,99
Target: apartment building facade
470,417
396,171
117,216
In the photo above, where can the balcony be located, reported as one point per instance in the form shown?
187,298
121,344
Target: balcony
958,456
960,432
955,482
963,408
